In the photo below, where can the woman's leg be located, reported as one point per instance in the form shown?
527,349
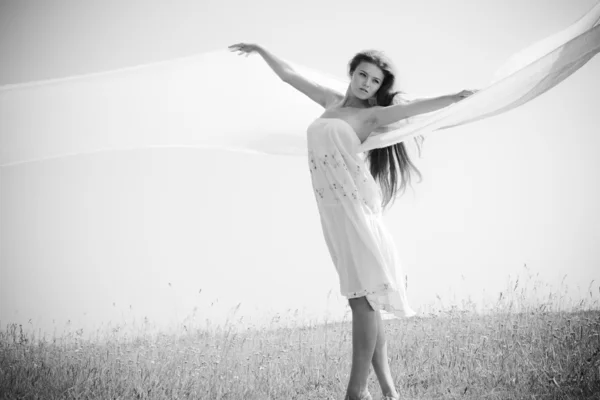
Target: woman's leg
364,338
380,362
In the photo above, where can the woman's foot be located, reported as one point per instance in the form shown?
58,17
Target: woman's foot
391,396
364,396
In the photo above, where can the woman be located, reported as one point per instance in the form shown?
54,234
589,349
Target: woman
350,202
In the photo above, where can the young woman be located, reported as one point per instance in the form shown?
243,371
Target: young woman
350,201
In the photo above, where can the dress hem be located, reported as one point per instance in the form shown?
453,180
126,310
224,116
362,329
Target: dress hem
396,304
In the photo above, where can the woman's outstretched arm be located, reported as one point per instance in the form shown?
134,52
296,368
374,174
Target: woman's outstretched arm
286,72
381,116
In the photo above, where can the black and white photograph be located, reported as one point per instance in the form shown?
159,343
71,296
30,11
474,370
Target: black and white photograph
300,200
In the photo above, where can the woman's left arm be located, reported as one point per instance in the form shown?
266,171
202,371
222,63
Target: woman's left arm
381,116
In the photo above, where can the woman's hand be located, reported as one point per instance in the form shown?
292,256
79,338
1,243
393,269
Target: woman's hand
244,48
463,95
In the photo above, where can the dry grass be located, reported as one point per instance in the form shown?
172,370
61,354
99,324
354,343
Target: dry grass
515,351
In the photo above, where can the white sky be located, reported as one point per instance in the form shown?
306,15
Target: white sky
520,188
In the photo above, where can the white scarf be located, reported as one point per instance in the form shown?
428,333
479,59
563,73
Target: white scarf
220,100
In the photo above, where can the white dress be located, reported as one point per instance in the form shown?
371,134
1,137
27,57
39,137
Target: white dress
349,203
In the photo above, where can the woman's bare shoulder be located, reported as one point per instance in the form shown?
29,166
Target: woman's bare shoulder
334,98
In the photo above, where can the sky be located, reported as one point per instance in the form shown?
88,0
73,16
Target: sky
204,230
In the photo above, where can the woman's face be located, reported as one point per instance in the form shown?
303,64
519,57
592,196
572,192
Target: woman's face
366,80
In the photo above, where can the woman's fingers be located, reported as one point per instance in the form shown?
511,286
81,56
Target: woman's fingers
242,49
236,47
467,93
463,94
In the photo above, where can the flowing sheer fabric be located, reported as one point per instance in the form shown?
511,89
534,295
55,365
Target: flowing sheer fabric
220,100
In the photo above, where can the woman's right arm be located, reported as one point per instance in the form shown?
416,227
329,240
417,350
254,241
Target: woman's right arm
321,95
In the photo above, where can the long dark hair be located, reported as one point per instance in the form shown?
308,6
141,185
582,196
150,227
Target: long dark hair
385,163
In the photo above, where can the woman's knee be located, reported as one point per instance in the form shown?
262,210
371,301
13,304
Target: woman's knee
360,304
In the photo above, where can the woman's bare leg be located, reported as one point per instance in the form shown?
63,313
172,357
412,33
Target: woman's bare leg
364,338
380,362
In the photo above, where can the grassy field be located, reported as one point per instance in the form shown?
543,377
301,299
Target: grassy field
511,352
